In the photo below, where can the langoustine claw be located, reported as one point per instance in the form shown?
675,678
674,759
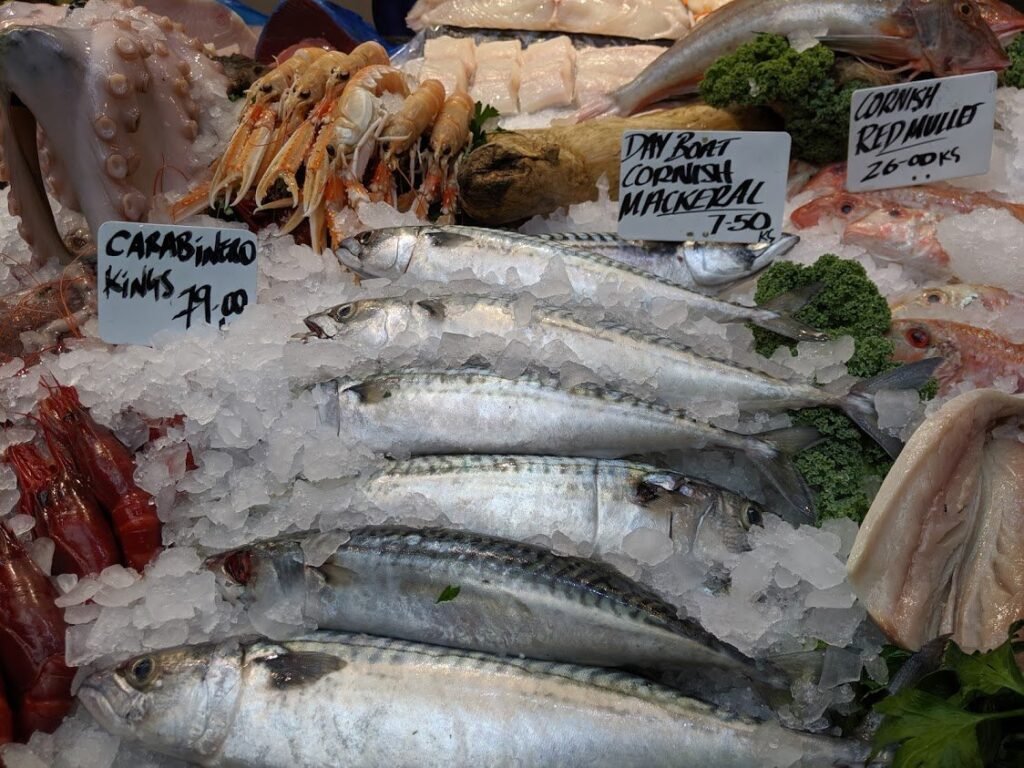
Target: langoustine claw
109,469
31,642
64,509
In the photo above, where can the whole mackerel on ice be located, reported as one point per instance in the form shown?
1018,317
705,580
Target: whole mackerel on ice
441,253
692,264
596,502
477,412
475,592
616,352
365,702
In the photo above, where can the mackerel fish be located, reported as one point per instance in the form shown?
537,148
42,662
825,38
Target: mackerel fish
596,502
696,265
476,592
616,352
473,411
366,702
442,253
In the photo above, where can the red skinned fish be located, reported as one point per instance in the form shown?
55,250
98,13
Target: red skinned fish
970,354
902,235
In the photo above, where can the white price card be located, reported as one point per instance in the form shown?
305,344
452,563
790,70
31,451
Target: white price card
916,133
722,186
162,277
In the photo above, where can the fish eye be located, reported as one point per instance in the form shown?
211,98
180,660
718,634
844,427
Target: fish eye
895,213
304,94
141,672
965,10
933,297
919,338
364,237
752,516
238,565
344,312
846,208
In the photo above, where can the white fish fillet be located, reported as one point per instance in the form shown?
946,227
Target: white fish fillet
499,49
603,70
548,75
450,72
942,548
641,19
497,84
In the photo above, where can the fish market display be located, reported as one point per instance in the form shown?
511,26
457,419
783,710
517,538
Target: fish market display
691,264
473,411
149,122
513,463
513,599
940,552
617,351
323,689
601,501
642,19
943,37
440,253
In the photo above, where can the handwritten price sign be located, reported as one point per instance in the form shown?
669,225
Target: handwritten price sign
159,277
703,185
916,133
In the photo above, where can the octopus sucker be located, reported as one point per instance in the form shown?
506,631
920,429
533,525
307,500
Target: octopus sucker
120,99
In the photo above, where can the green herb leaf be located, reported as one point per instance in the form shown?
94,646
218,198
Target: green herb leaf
481,115
448,594
931,731
985,673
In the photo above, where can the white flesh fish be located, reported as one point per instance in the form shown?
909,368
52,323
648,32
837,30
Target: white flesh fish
357,701
942,549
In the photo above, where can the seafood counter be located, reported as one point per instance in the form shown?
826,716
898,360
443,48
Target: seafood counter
473,480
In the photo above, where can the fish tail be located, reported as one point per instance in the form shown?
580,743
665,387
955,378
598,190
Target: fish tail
602,105
1017,209
778,314
859,404
776,466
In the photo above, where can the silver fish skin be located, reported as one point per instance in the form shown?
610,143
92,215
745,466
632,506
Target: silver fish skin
599,502
614,351
332,699
513,599
440,253
679,70
477,412
696,265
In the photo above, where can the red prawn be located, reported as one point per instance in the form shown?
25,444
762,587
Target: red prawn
31,642
109,469
6,717
64,509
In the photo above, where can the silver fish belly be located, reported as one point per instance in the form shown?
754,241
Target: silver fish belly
480,593
701,266
363,702
614,351
591,501
440,253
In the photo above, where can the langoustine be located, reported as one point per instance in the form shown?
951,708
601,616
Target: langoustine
63,508
109,469
31,642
